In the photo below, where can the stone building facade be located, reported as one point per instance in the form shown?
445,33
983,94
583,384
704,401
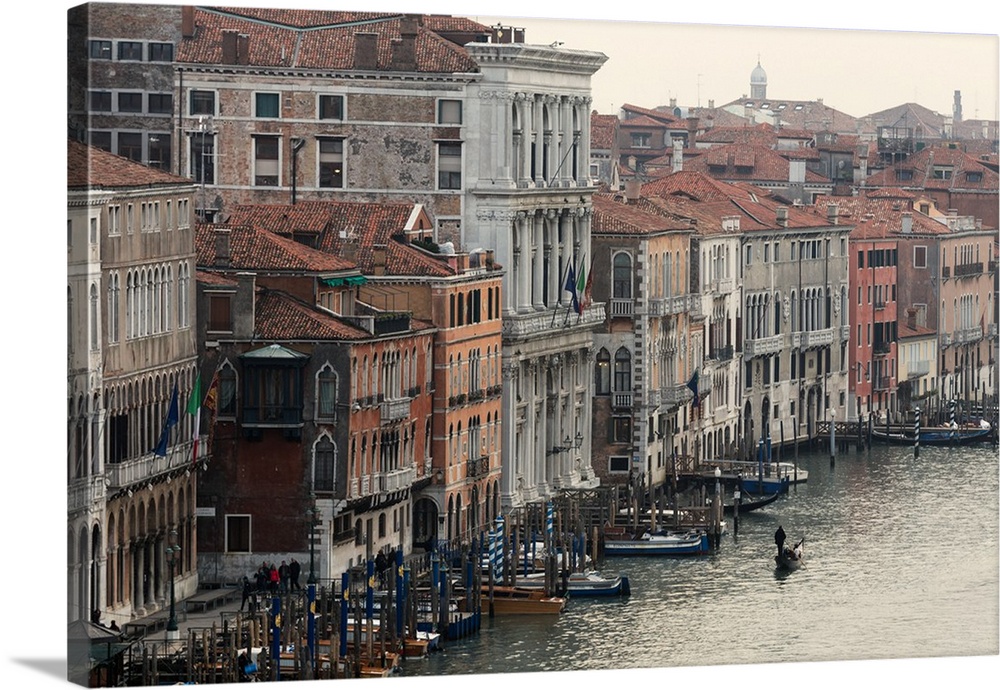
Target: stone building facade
131,316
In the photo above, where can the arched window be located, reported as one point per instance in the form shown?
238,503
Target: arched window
623,370
326,393
227,391
113,297
324,461
602,373
622,276
94,338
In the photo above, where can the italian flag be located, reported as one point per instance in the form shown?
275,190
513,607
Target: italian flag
194,409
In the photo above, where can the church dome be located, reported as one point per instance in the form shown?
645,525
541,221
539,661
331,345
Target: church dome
758,76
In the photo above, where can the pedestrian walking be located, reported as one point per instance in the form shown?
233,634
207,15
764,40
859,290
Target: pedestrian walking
284,574
247,592
294,570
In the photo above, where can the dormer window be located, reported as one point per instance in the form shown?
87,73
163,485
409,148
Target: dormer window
904,175
641,140
974,176
942,172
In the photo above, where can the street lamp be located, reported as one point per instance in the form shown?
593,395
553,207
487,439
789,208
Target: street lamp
312,512
173,551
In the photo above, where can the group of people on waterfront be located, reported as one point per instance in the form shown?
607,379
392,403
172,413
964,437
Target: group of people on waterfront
270,579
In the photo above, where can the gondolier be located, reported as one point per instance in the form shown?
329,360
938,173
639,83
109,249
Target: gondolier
779,539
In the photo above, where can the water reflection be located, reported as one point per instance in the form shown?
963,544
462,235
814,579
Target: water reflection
901,561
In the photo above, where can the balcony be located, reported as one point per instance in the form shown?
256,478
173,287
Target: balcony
551,321
881,384
679,304
808,339
763,346
478,467
675,396
991,331
622,308
845,334
879,305
395,410
914,370
621,400
723,354
968,269
121,475
387,482
85,493
946,272
882,349
272,416
968,335
721,286
946,339
653,398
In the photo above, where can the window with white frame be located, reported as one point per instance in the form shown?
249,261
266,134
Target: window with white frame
449,165
183,213
449,112
94,323
99,101
266,105
129,50
227,391
265,161
324,461
920,256
130,101
113,306
100,50
331,107
238,534
622,276
331,163
326,393
201,102
161,52
114,219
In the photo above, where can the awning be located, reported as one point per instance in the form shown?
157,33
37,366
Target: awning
346,280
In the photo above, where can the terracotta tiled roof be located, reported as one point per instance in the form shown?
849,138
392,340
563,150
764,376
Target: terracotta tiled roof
662,116
254,248
642,121
767,165
920,167
215,279
613,216
279,316
876,215
315,40
697,195
762,134
95,168
364,226
602,131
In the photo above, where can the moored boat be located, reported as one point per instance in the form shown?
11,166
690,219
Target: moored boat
934,436
586,584
520,600
753,502
661,544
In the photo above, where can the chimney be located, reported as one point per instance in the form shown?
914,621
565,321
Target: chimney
349,250
222,247
489,259
711,103
831,214
907,219
692,123
911,318
673,103
244,306
632,189
243,49
187,21
378,260
404,50
365,51
229,39
781,215
677,158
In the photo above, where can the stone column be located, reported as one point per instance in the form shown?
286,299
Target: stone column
527,136
523,247
584,146
537,258
567,173
509,447
552,257
538,133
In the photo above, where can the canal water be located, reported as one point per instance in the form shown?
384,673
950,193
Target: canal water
901,561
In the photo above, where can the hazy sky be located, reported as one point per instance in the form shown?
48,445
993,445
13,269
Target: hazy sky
858,56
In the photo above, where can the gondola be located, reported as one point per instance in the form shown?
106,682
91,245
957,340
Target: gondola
935,436
791,558
754,502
